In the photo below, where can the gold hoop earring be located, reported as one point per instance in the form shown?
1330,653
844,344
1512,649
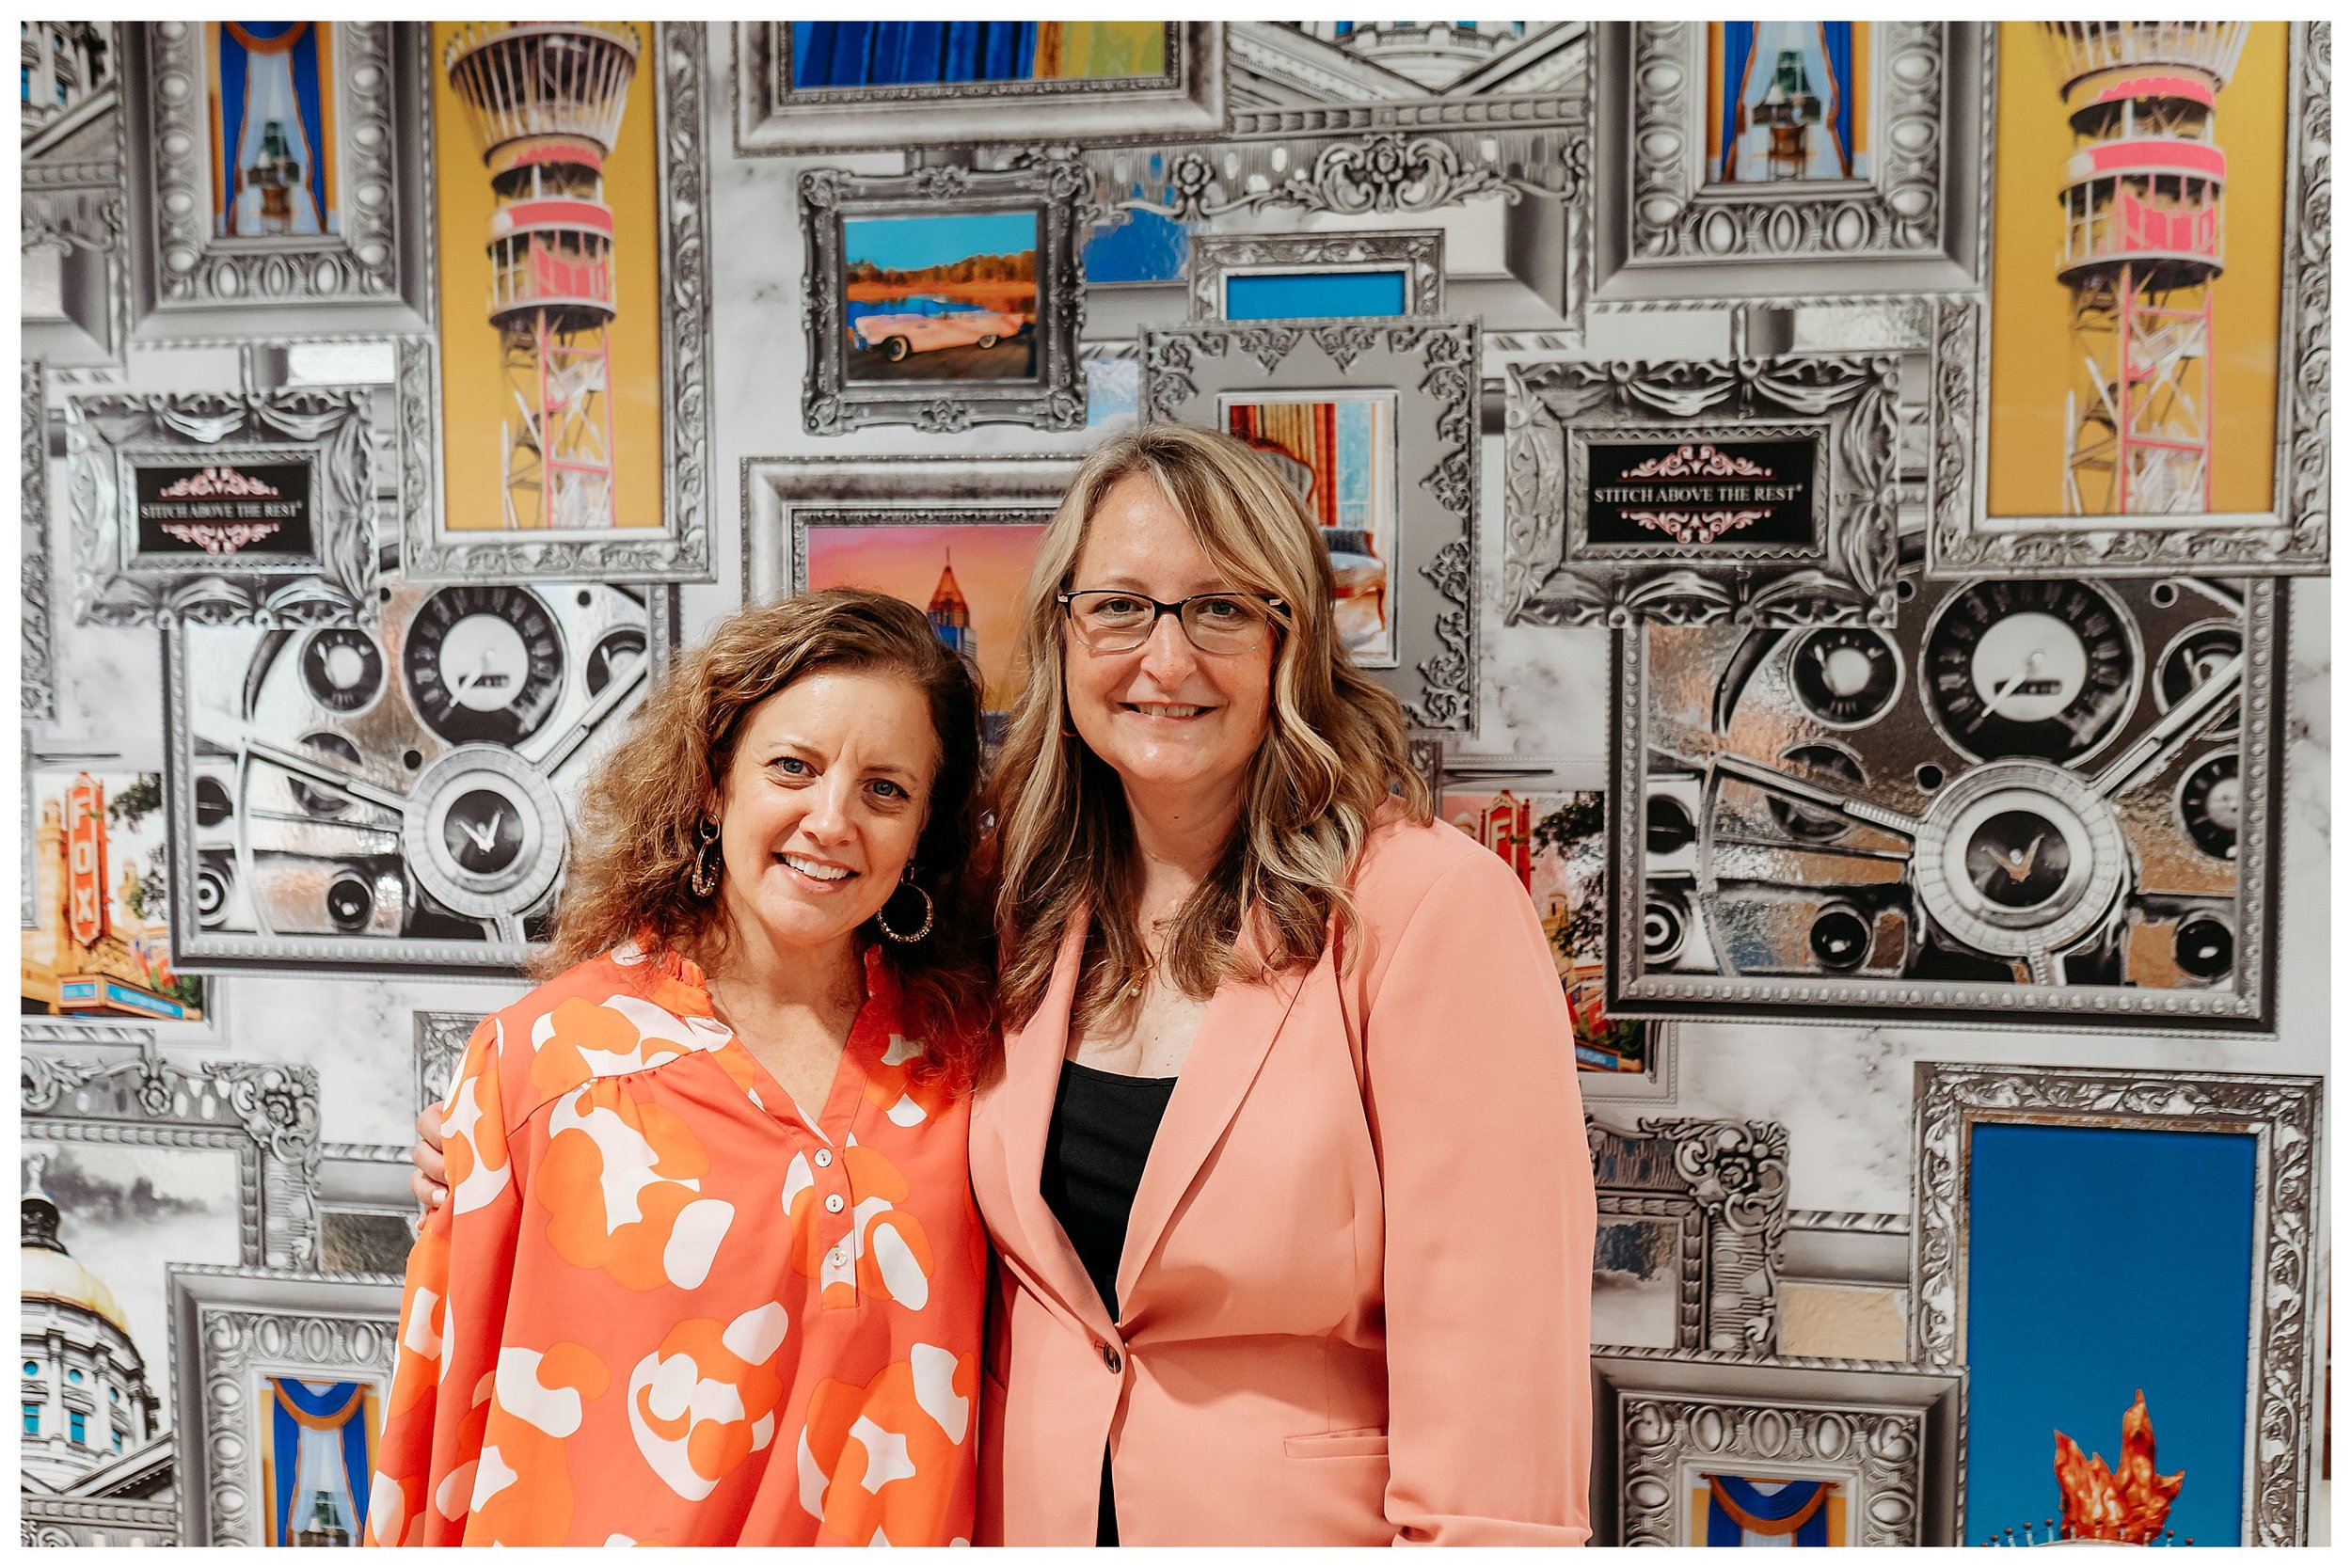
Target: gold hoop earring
929,911
704,881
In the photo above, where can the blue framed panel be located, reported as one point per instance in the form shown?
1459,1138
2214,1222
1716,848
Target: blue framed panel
2103,1262
1292,295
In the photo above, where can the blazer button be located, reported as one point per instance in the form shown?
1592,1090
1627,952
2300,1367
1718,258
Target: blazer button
1110,1356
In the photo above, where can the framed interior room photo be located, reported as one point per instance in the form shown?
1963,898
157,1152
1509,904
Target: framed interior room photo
562,408
2145,387
1693,1449
1783,160
286,1377
1374,425
2210,1179
843,86
281,177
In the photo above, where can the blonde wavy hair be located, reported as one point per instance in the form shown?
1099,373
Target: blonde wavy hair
634,847
1333,753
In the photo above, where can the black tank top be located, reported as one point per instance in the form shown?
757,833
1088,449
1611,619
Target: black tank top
1095,1147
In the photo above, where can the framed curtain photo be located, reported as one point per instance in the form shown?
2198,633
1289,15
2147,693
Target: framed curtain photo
943,298
1374,426
842,86
282,170
2145,387
2214,1346
1716,1450
286,1377
395,796
440,1046
1784,159
2030,803
1317,276
561,405
216,507
1759,491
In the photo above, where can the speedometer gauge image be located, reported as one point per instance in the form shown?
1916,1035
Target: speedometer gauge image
2045,800
395,796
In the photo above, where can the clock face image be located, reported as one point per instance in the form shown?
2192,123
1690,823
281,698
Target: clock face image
2027,793
484,664
394,794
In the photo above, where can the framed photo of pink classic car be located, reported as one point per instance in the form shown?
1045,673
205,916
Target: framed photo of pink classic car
943,298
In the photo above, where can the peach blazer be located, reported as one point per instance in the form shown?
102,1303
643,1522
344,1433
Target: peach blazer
1356,1290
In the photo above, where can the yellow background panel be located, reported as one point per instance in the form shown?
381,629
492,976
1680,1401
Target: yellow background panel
2033,356
473,387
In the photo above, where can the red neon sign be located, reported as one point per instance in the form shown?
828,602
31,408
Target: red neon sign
86,860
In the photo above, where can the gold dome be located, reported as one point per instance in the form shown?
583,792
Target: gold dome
56,1276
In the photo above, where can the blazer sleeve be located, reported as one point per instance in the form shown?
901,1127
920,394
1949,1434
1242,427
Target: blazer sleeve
1487,1186
452,1316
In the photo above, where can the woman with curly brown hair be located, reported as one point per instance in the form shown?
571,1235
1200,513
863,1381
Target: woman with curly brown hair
709,1271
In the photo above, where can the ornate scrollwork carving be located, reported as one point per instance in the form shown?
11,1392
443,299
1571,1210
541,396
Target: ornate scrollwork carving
1732,1179
1879,1450
1847,402
268,1112
332,431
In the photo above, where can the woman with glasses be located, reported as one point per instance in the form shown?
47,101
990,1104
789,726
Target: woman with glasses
1286,1174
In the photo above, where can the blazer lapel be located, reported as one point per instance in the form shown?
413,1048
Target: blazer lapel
1033,1058
1236,1031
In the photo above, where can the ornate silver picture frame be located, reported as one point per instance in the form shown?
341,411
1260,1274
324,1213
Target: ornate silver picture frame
234,1332
366,271
1666,225
1416,255
1851,823
668,541
76,301
441,1045
774,117
350,797
217,507
36,631
1431,366
113,1086
2279,1114
949,358
777,491
2167,520
1694,1210
1883,1436
1758,491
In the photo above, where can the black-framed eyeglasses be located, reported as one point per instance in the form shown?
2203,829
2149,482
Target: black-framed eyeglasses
1114,621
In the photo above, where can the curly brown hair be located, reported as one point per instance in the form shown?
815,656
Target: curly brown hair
633,848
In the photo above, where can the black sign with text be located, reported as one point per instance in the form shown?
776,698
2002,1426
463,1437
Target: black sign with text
224,509
1726,494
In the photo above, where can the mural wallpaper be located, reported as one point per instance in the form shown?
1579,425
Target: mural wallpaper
1843,503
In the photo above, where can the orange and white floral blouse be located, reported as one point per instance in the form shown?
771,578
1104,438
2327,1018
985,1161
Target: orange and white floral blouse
664,1306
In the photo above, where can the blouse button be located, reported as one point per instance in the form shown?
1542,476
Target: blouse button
835,1258
833,1203
1110,1356
824,1158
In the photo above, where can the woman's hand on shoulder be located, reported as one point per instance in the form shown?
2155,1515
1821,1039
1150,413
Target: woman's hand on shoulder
428,1180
